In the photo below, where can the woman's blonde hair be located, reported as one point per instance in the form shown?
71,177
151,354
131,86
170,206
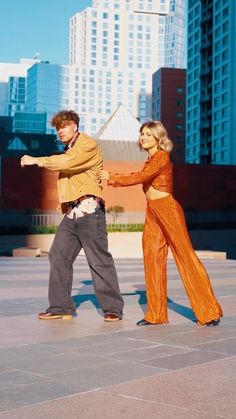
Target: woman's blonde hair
159,133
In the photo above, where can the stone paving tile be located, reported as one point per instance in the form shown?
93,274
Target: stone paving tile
101,375
209,387
27,352
179,370
15,377
110,348
227,292
51,363
150,353
85,342
192,336
102,404
186,359
226,346
17,307
4,369
23,395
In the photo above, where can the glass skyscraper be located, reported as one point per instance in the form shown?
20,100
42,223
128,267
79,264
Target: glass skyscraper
47,90
211,87
13,86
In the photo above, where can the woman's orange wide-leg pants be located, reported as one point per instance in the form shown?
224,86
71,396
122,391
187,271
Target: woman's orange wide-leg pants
165,226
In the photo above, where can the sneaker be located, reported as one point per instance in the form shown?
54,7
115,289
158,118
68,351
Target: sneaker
111,317
53,316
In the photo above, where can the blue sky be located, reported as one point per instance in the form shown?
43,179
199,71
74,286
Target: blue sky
31,26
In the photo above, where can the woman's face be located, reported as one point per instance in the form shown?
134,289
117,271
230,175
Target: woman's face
148,141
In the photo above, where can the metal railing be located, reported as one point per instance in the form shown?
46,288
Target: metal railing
192,218
120,221
41,220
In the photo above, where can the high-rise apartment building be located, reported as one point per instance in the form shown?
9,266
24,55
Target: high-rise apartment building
211,87
115,47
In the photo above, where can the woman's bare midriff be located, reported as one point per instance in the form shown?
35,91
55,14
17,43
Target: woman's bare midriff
153,193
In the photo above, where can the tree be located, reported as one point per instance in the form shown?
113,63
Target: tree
115,211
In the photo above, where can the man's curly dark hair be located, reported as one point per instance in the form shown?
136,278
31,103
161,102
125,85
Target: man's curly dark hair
63,117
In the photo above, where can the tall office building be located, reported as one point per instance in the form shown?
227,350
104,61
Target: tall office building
47,90
211,87
115,47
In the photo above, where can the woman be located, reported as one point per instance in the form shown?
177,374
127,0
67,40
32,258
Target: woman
165,226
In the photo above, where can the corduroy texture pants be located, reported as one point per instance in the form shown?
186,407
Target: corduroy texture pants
165,227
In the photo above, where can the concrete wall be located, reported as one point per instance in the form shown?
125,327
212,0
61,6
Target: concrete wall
130,244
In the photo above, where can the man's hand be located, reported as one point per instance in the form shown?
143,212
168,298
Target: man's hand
28,160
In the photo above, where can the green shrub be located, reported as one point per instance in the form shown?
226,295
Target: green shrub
22,230
112,228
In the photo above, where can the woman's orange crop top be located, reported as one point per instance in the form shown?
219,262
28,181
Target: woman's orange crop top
156,172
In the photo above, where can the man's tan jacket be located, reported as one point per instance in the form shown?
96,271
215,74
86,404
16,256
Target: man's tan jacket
78,167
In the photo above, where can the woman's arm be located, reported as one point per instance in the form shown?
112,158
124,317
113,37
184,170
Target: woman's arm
149,171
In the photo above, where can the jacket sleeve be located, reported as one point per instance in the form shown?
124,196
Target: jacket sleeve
77,159
150,170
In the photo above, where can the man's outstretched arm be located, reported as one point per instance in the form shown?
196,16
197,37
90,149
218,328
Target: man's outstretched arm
28,160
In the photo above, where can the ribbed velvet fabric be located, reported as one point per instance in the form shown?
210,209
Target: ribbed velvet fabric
157,172
165,226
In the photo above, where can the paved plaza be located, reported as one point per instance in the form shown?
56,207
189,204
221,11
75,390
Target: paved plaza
86,369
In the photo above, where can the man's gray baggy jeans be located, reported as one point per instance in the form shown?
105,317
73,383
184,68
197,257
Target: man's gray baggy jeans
89,233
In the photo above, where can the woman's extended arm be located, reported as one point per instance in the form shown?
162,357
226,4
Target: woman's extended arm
149,171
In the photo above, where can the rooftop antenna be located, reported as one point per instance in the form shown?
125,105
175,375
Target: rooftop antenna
36,56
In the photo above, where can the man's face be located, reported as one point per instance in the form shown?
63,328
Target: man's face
67,131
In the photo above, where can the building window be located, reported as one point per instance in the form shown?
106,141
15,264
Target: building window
180,103
34,144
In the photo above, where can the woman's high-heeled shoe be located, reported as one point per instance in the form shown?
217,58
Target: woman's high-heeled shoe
213,323
144,322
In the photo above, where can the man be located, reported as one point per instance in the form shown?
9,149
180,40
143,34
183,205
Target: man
83,226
